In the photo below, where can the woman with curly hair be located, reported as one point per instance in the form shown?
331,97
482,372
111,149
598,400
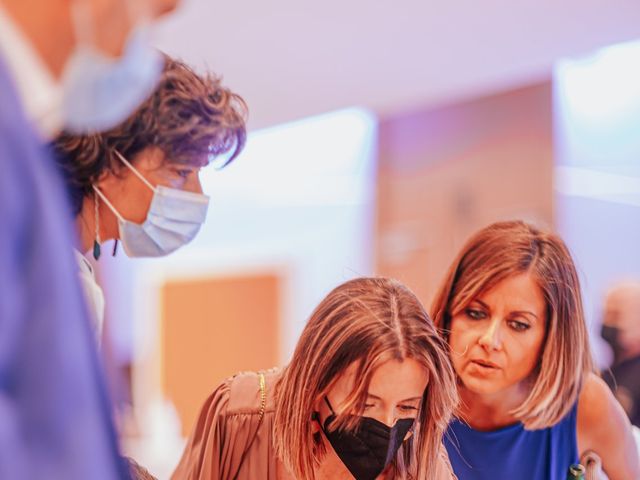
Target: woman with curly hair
138,183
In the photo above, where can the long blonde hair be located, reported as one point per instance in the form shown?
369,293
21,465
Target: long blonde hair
505,249
368,321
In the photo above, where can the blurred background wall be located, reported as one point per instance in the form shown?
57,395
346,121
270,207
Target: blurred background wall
447,171
382,135
597,170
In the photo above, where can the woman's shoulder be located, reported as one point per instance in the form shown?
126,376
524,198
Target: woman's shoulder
227,425
240,397
251,392
596,402
602,426
593,396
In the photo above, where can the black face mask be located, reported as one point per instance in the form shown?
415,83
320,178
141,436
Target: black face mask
611,335
369,449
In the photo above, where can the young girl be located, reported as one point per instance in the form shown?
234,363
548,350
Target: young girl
367,395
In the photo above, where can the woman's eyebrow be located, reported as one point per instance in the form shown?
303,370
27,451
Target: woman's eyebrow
375,397
526,312
482,304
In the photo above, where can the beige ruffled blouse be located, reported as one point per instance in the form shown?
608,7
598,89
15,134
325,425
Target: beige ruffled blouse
232,436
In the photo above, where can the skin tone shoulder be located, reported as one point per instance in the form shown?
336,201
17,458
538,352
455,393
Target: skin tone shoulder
496,342
604,428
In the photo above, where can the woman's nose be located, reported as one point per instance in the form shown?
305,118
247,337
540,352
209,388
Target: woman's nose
194,185
388,417
490,338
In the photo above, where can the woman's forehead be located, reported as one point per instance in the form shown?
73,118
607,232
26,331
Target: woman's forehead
393,380
517,292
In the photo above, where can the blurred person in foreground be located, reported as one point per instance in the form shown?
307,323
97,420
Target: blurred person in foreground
621,330
60,62
367,395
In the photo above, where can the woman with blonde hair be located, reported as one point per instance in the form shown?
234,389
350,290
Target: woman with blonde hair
367,395
511,311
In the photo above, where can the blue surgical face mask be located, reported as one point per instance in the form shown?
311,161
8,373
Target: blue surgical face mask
99,92
173,220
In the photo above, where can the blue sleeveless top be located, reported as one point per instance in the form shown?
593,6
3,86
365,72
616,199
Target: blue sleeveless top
513,452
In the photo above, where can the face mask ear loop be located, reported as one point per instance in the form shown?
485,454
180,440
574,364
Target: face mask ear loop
96,221
96,243
316,415
134,170
326,399
108,203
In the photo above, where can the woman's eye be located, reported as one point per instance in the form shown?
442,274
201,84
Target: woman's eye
182,172
368,405
475,314
407,408
519,326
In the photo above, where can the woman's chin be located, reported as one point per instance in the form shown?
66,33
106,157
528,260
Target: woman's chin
481,386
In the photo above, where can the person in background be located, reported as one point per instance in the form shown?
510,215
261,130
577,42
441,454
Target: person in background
510,309
55,419
621,330
367,395
139,182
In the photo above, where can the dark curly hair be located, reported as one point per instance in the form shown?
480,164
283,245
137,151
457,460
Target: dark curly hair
191,118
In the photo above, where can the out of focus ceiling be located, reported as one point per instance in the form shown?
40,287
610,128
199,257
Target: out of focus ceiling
294,58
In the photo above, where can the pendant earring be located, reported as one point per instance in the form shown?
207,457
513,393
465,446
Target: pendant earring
96,240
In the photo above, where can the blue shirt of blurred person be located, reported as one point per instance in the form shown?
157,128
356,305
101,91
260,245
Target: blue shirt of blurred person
55,420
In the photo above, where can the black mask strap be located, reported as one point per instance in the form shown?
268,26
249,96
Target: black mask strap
326,400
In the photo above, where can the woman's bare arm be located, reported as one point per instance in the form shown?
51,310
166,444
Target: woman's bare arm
604,428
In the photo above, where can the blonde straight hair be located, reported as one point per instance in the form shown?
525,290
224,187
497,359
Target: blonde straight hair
366,321
505,249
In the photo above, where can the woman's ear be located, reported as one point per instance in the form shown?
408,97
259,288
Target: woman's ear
103,180
318,406
107,179
315,422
